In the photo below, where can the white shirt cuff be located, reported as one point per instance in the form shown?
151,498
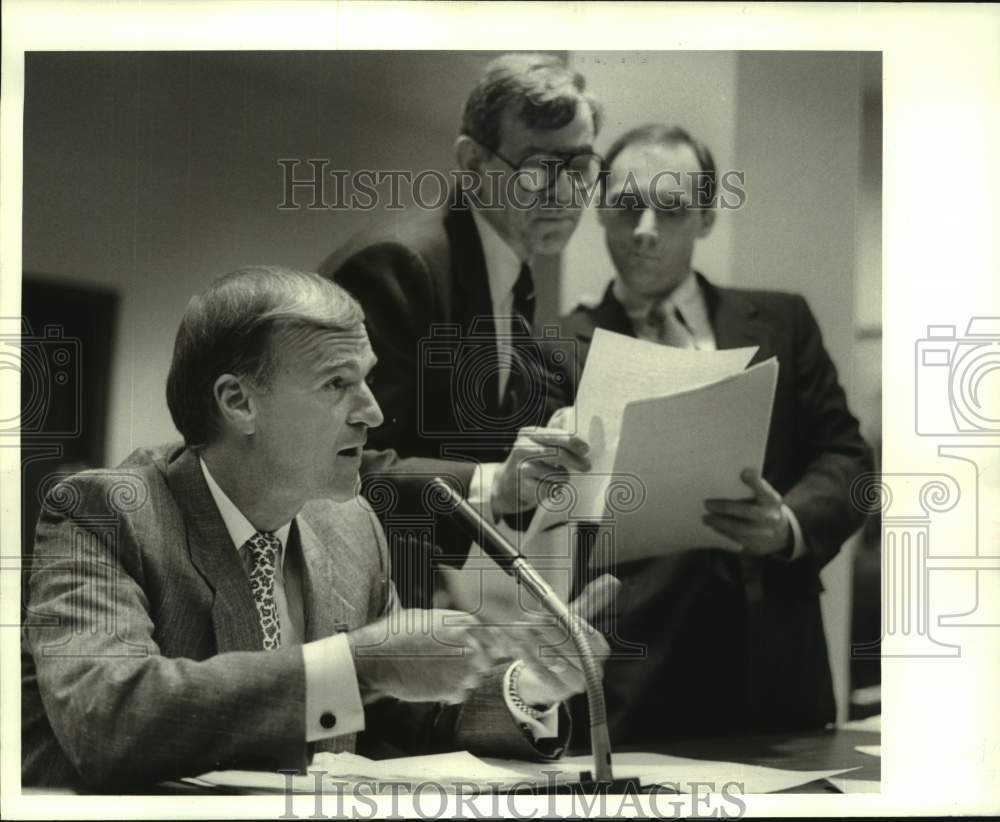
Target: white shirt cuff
481,489
333,701
798,540
545,726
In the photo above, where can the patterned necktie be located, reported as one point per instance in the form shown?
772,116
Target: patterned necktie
668,326
264,547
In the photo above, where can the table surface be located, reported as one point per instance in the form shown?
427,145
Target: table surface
817,751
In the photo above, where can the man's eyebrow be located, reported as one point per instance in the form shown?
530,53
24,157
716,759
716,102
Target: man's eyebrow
334,365
352,363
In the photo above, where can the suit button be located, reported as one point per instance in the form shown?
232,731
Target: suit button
327,720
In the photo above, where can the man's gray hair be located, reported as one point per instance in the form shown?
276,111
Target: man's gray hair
230,328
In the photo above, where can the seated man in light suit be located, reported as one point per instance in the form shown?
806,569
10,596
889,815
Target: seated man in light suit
226,603
734,641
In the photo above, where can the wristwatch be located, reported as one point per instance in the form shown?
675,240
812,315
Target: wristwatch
535,712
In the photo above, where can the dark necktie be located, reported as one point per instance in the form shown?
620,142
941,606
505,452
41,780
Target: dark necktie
523,366
516,406
524,298
264,547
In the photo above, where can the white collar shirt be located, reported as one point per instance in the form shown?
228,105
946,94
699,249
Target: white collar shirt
687,298
503,267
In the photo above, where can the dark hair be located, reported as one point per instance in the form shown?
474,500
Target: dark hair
664,135
539,88
230,327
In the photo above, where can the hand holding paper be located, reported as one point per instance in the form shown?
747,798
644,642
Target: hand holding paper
669,429
539,460
758,524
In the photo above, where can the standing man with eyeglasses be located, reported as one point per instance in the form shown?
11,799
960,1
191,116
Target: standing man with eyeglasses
449,297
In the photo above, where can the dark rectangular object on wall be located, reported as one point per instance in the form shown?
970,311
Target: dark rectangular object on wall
64,358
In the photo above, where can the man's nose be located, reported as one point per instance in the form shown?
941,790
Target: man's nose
565,187
645,233
368,411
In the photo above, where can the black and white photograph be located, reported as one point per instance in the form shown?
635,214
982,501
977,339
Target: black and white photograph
412,424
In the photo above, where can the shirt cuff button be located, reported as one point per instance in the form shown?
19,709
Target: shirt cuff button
327,720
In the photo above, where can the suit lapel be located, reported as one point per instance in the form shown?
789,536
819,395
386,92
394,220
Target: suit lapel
234,615
472,285
735,322
327,609
468,265
609,315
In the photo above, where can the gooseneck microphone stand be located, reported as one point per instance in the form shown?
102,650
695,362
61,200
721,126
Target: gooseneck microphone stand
516,565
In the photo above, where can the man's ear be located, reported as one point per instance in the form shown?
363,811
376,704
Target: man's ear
707,221
468,153
236,408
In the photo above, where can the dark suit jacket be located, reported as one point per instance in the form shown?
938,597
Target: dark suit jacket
737,644
141,654
424,288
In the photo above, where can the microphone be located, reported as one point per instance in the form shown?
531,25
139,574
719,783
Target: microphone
516,565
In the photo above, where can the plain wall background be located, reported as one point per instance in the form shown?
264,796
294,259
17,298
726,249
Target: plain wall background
152,173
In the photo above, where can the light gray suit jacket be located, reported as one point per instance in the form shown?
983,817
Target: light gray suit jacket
141,655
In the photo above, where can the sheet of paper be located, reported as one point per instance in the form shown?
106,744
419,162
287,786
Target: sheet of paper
256,781
848,785
687,448
871,750
870,723
445,768
620,370
679,773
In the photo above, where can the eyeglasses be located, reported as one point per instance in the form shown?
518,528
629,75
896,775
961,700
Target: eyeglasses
540,172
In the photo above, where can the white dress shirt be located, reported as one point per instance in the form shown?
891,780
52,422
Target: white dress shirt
331,680
503,267
686,298
689,300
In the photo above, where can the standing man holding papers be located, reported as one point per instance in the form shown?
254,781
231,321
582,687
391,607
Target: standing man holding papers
735,640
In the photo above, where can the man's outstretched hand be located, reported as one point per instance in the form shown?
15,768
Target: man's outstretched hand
558,674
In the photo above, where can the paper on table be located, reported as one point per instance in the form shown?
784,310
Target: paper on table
687,448
871,750
848,785
870,723
446,768
620,370
441,767
680,773
677,773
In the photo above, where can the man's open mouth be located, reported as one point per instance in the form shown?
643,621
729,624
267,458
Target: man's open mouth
350,452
